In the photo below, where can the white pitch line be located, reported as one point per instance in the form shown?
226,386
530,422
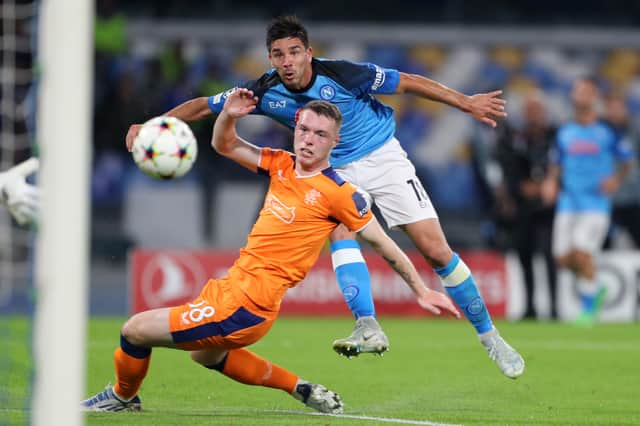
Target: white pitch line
356,417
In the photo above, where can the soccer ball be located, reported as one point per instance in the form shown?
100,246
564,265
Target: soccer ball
165,148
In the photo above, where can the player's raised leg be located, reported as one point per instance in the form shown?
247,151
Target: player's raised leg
458,280
138,335
354,280
247,367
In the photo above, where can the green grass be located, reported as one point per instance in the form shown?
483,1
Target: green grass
436,371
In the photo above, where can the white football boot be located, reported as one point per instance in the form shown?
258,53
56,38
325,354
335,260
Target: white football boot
108,401
367,337
319,398
506,358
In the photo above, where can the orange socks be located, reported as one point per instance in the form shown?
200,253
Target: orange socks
246,367
242,365
130,371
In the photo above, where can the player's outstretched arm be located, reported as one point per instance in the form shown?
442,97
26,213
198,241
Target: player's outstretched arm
433,301
484,107
225,139
21,198
192,110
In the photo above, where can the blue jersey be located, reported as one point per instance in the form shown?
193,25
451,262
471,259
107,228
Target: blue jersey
366,123
587,154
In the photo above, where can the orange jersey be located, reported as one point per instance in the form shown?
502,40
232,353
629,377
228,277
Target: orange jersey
298,214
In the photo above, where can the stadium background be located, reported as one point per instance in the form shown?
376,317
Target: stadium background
150,57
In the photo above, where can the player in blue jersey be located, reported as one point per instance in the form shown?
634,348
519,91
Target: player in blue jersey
369,156
589,163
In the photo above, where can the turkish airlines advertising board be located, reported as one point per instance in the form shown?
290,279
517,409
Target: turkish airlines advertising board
161,278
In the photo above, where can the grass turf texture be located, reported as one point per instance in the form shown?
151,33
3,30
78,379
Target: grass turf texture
435,372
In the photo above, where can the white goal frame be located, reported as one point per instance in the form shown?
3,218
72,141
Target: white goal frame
65,56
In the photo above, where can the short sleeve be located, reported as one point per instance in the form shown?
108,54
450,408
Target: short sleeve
384,80
362,78
273,159
351,207
216,102
259,87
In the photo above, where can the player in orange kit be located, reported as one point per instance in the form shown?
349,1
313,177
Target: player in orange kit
306,200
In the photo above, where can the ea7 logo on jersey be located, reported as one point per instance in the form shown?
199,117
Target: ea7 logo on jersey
277,104
361,203
379,80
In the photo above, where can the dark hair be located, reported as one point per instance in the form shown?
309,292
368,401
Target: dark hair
286,27
326,109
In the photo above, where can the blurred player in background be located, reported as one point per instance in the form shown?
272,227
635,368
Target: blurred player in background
306,200
370,157
21,198
589,162
523,156
626,201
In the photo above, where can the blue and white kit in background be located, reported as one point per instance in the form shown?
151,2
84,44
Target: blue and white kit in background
586,155
367,154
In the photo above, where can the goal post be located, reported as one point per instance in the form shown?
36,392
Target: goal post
65,58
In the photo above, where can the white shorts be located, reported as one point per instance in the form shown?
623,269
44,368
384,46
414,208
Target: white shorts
390,179
584,231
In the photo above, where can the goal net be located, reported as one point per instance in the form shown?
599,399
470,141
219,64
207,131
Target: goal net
17,113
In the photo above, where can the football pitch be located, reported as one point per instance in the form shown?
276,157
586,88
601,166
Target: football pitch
435,373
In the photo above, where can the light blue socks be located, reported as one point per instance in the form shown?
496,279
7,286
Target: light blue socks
462,288
353,277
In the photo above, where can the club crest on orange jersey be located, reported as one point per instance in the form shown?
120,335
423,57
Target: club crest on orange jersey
311,197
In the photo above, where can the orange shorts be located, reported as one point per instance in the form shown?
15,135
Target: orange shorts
220,317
